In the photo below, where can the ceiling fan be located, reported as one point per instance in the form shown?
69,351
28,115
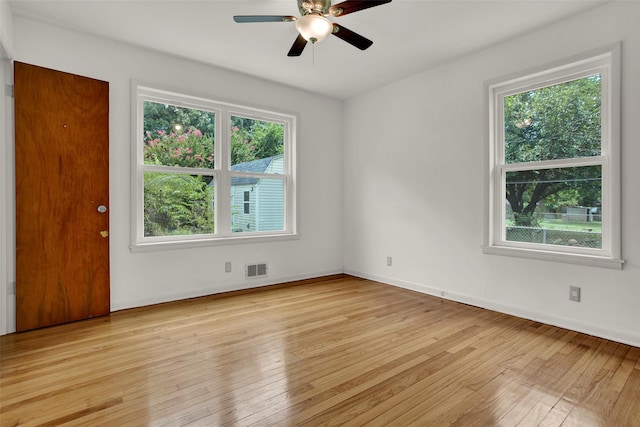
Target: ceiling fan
313,25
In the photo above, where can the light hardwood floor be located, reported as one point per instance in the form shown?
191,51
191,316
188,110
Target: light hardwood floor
344,351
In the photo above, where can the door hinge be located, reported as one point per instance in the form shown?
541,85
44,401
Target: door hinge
8,90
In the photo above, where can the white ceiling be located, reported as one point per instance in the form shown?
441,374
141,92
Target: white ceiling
409,35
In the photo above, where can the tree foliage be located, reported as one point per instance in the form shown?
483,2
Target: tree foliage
255,139
190,149
165,117
177,204
554,122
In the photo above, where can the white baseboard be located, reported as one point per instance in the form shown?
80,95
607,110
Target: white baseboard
195,293
618,336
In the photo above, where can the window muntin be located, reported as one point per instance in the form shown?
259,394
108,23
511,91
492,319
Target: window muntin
182,150
554,152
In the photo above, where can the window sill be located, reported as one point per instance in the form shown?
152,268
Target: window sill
580,259
211,242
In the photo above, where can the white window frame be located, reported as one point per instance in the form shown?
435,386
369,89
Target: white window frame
221,173
606,62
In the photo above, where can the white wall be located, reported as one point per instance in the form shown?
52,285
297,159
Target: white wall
144,278
414,172
6,27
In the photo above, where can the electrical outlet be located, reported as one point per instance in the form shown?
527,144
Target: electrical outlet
227,267
389,261
574,293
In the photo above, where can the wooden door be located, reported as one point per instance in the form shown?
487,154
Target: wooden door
62,179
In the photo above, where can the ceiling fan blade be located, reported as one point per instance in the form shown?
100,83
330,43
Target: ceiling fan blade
298,46
263,18
350,6
350,37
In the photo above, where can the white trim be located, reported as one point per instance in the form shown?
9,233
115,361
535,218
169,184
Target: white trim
558,67
628,337
182,242
254,283
606,62
5,141
550,255
553,164
221,173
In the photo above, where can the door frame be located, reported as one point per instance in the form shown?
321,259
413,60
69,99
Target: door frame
7,201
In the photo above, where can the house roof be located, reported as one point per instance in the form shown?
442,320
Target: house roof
256,166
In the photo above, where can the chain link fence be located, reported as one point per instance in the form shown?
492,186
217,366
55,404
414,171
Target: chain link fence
585,239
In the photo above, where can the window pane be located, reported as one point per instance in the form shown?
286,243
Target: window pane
177,204
555,206
554,122
178,136
256,145
247,202
264,211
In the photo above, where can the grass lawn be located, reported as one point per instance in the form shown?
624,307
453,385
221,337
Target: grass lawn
560,224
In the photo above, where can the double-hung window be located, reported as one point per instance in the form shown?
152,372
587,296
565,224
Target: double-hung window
554,182
207,172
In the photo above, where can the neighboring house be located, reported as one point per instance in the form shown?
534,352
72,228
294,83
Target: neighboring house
257,203
583,214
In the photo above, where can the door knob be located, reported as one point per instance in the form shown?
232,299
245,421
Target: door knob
102,208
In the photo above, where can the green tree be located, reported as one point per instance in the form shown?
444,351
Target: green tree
190,149
255,139
165,118
554,122
269,139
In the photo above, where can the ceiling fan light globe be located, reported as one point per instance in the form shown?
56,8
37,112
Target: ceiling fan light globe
314,28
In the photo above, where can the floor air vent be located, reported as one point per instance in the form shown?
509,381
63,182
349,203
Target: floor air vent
256,270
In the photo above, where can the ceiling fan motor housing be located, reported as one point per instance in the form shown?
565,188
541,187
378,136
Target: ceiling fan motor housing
313,25
314,6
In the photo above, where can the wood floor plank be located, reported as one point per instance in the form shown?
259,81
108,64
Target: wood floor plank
558,414
340,351
627,407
